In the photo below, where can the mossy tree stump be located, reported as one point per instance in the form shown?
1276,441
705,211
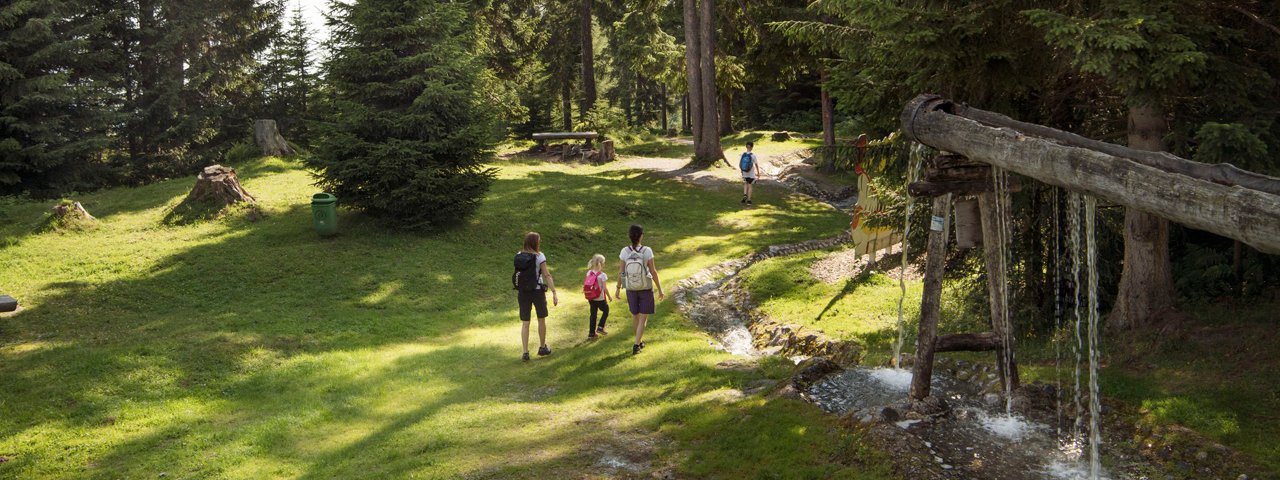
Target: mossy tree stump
68,215
217,187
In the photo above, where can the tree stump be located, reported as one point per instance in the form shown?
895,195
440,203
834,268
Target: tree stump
216,188
72,210
780,136
606,153
68,215
218,184
267,135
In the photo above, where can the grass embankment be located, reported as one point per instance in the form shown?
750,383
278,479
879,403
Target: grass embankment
863,307
238,349
1216,375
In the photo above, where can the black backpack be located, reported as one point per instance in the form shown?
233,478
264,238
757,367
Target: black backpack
525,277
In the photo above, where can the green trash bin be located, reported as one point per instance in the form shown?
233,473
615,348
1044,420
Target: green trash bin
324,213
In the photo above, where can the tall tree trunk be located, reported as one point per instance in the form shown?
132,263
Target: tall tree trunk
588,63
664,109
1146,284
693,64
828,114
566,96
708,150
684,114
726,114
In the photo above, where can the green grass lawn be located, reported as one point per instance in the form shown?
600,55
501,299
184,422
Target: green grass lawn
864,307
239,349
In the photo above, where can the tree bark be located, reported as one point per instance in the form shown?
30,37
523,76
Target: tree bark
664,109
1146,283
588,63
693,64
708,149
726,114
218,185
267,134
828,114
931,301
566,97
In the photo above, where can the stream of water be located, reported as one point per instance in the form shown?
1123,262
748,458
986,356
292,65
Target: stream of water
918,151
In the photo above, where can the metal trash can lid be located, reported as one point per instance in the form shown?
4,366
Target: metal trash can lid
323,198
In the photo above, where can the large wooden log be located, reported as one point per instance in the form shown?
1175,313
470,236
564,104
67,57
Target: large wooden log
968,342
931,301
1249,214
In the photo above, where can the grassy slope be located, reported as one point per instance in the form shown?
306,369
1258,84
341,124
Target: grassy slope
253,350
865,307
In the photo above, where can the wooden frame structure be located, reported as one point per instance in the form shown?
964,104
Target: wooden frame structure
1221,199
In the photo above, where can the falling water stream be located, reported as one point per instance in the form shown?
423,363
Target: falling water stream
918,151
1095,403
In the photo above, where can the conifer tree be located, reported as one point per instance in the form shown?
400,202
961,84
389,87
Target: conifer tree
52,122
289,78
406,134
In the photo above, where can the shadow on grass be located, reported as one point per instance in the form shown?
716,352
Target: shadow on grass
243,341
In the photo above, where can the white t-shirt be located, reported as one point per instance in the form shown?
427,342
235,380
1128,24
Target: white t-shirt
600,279
541,259
645,252
755,166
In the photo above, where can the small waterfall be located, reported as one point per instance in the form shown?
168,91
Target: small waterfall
918,151
1095,402
1073,224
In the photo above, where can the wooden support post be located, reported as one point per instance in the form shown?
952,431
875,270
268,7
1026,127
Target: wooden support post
931,304
996,283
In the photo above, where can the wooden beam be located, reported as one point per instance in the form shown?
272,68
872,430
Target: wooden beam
934,189
565,136
1249,213
956,174
997,281
967,342
931,303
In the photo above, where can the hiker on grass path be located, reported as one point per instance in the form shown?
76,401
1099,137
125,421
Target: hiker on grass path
531,279
640,277
750,172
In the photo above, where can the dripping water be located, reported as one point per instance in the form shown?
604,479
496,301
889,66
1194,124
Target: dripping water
918,151
1095,403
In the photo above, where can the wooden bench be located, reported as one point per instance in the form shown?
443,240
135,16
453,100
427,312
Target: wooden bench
586,136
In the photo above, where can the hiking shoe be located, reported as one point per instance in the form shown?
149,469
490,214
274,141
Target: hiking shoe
601,331
592,336
525,357
641,345
635,349
744,199
544,351
749,202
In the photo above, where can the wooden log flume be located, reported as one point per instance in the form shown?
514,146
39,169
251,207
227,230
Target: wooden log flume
1223,200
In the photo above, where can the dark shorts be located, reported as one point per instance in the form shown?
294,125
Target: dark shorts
640,301
749,180
531,299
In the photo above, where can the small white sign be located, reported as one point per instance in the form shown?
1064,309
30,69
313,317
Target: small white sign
937,224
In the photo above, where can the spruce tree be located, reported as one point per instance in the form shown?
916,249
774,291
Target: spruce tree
289,79
405,135
51,120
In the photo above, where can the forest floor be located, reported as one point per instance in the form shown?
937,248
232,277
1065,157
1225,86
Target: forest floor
251,348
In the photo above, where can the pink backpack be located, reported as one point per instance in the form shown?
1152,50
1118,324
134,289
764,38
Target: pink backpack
591,286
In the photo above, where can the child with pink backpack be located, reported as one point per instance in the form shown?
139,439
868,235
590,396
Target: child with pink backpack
595,288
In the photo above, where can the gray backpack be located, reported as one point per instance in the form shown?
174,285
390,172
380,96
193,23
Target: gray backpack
635,273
